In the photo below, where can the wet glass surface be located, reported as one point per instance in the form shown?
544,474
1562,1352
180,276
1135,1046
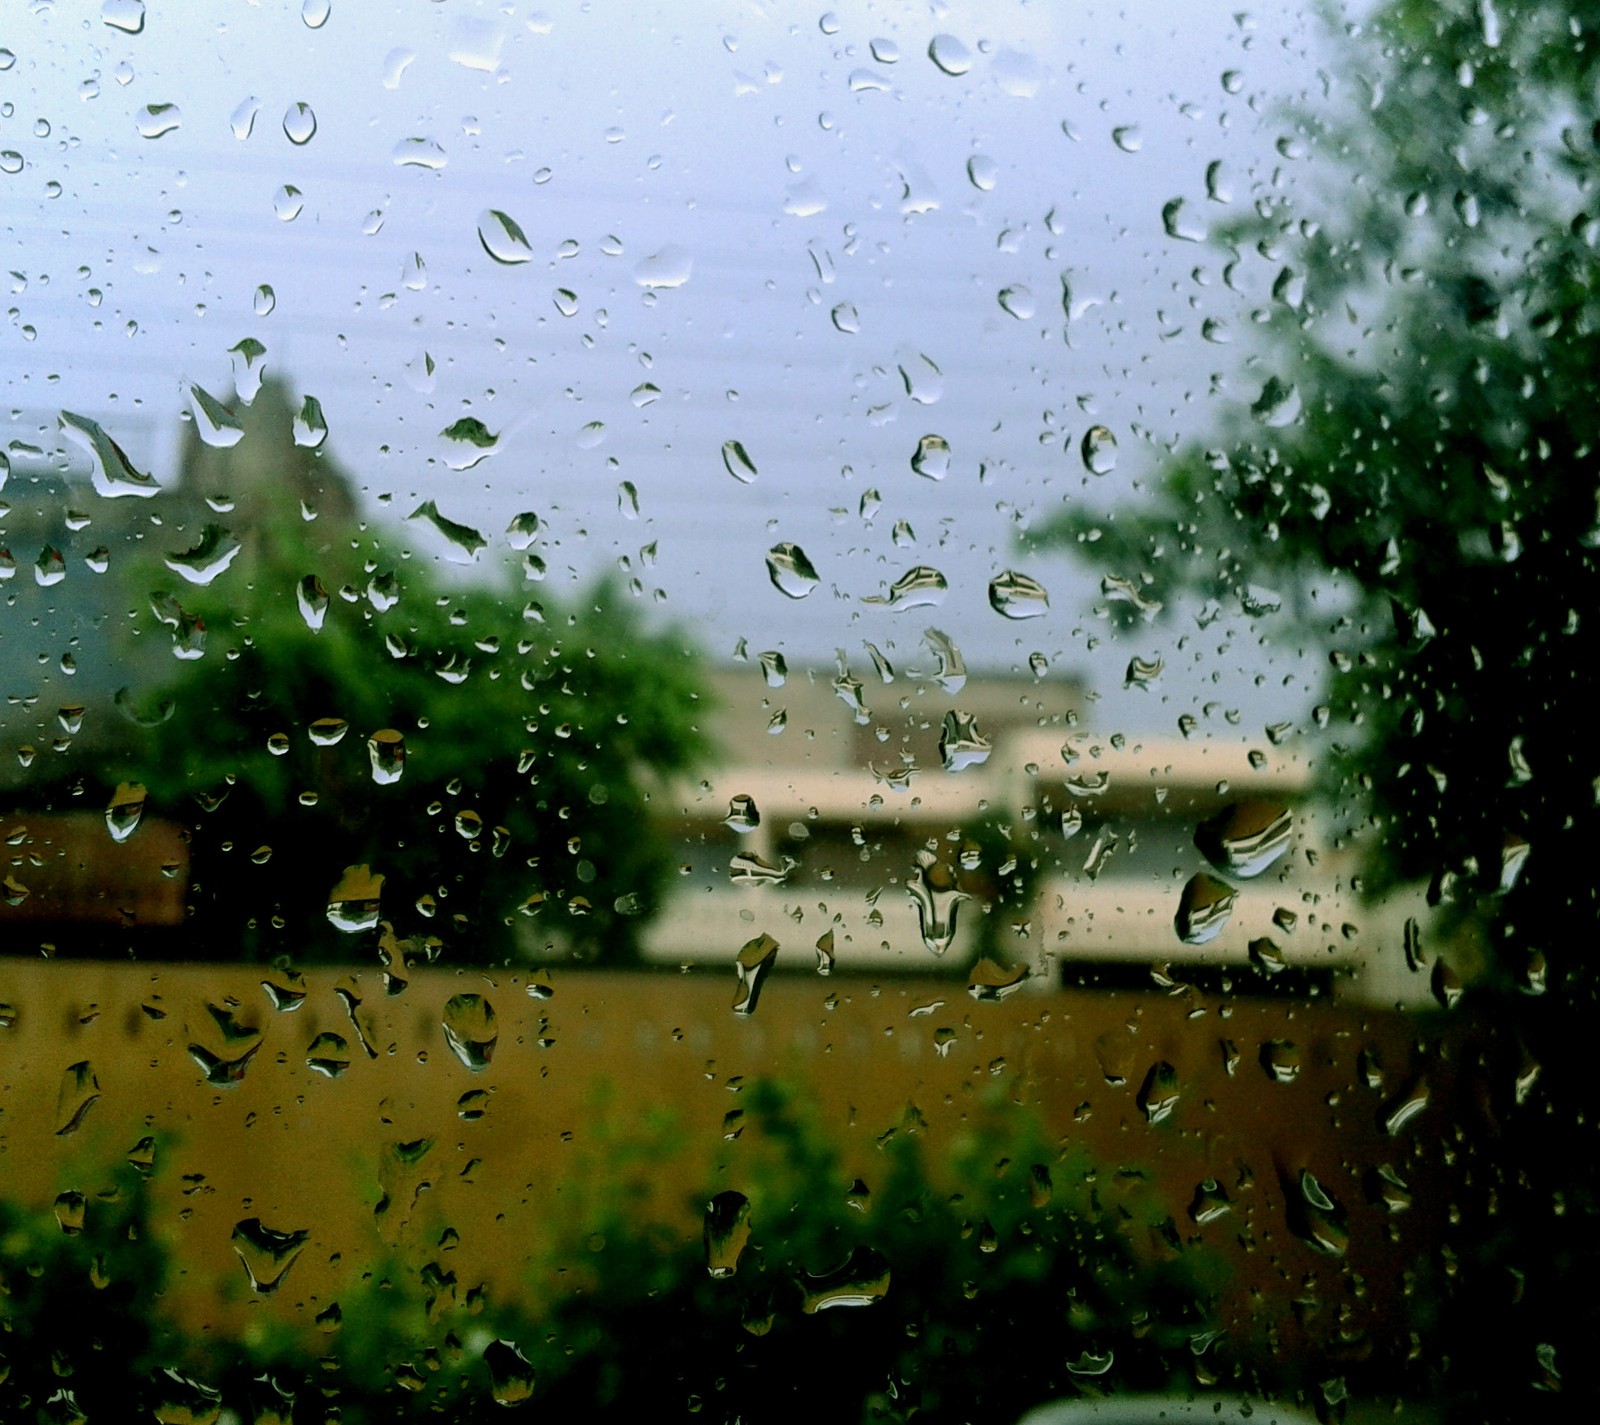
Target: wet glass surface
741,710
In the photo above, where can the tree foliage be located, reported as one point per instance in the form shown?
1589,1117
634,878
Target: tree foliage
496,748
1410,470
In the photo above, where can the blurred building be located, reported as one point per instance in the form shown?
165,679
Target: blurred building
927,822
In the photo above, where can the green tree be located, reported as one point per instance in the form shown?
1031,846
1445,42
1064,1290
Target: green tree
1409,482
336,705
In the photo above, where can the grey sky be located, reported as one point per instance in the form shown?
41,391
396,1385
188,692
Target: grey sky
796,169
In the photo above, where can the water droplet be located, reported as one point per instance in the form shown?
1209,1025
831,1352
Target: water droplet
1267,957
951,674
736,459
243,119
110,469
961,745
982,172
327,731
310,425
1246,838
502,238
1209,1203
921,377
124,15
867,81
1126,591
265,300
11,161
1143,672
1092,1363
419,152
885,51
755,961
991,981
1403,1107
299,124
510,1373
395,64
1018,302
920,587
178,1400
210,556
50,568
463,542
1099,450
860,1280
386,749
742,814
471,1030
792,574
71,1207
249,367
1317,1219
825,953
522,530
727,1230
1278,404
78,1093
1203,909
1179,224
155,120
329,1055
1158,1095
931,458
748,869
471,442
312,599
950,55
1105,843
353,902
1128,138
933,891
664,270
288,203
774,668
846,319
1446,984
1280,1060
124,810
314,13
1018,596
267,1254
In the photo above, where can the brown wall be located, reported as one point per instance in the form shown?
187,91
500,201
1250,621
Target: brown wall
302,1151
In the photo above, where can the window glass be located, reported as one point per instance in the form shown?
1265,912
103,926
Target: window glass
729,709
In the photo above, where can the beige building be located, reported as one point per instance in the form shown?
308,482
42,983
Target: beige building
924,822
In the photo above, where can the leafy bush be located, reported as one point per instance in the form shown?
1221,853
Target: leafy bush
998,1276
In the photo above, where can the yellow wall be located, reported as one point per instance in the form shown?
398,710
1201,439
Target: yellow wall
302,1151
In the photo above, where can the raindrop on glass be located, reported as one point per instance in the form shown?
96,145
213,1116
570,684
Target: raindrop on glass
502,238
299,124
791,572
950,55
1018,596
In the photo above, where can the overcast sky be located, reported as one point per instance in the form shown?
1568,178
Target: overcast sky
778,217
